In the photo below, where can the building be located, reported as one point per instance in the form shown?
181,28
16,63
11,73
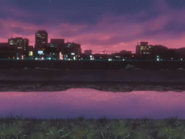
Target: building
57,41
53,50
181,52
144,43
4,44
72,51
25,47
88,52
41,39
31,52
157,49
143,48
124,52
169,54
19,44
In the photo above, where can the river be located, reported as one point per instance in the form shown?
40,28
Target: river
91,103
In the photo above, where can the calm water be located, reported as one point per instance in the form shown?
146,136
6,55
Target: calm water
92,103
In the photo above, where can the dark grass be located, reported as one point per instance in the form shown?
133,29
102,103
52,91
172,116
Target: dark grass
15,127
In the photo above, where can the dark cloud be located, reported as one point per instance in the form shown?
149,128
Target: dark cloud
174,27
19,30
102,23
176,4
74,11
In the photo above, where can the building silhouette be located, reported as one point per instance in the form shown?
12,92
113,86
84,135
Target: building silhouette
41,39
88,52
20,44
18,48
57,41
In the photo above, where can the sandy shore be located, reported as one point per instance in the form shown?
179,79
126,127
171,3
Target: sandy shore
113,87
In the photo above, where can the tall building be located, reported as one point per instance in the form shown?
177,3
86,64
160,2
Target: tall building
41,39
25,46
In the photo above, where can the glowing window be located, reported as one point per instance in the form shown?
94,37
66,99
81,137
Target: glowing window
30,53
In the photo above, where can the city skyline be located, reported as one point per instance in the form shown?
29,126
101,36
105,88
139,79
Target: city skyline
102,25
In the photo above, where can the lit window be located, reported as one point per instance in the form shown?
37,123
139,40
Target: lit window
30,53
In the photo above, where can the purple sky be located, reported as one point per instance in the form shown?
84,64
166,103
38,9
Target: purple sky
111,25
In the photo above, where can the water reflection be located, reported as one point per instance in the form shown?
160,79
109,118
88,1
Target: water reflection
92,103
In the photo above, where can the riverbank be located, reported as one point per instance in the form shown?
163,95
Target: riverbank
90,65
103,86
128,76
105,80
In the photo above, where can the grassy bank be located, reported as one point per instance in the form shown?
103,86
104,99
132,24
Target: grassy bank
15,127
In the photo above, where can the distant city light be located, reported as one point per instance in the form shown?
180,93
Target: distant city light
118,56
72,50
91,58
158,58
40,52
60,56
30,53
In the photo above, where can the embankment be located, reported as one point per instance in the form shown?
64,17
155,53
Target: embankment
90,65
105,80
93,75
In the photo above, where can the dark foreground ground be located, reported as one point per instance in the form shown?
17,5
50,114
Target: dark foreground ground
80,128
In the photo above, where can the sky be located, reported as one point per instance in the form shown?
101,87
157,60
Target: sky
111,25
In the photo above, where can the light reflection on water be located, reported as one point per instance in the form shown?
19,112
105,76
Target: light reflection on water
92,103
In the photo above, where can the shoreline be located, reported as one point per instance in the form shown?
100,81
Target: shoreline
102,86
